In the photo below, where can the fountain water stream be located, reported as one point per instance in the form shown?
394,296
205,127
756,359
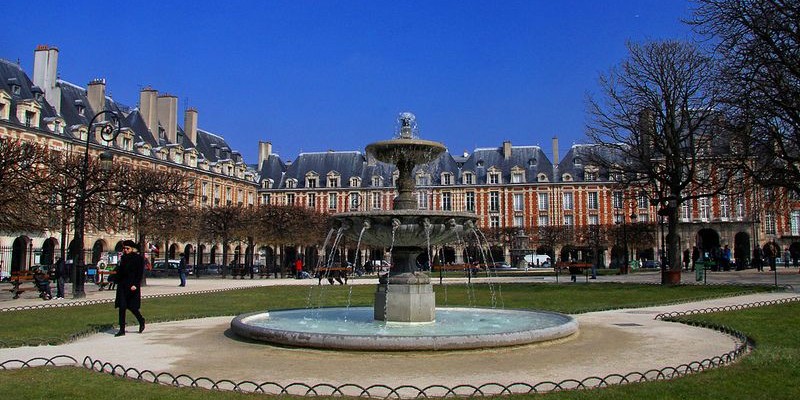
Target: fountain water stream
404,314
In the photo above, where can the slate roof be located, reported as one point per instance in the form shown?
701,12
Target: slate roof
11,73
530,158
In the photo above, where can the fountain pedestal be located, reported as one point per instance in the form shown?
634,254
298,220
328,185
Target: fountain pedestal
397,302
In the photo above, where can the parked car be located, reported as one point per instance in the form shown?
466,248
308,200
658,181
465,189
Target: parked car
651,264
209,270
502,266
163,268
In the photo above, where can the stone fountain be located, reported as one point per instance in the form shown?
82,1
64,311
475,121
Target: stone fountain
404,315
407,229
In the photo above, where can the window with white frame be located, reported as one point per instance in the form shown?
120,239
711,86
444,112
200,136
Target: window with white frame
739,208
447,179
494,221
594,203
423,180
519,202
312,200
494,201
794,222
422,200
333,180
770,228
616,199
517,177
519,221
568,201
291,183
686,210
704,208
643,201
544,220
594,220
376,201
494,178
469,178
332,200
265,197
544,201
447,201
724,207
469,201
290,199
377,181
228,196
569,220
311,181
355,181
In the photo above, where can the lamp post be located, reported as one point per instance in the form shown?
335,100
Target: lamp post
621,219
108,132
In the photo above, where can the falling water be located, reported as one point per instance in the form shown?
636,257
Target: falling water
485,263
395,225
491,258
468,262
309,300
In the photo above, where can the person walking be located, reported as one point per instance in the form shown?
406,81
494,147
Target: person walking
695,257
687,258
298,268
129,277
182,270
61,276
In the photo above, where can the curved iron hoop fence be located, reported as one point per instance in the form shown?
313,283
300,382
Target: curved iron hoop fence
744,345
735,307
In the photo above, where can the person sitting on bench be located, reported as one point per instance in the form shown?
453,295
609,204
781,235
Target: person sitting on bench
42,284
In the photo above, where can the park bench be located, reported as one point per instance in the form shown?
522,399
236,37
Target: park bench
104,282
19,278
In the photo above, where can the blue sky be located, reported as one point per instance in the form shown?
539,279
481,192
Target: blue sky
318,75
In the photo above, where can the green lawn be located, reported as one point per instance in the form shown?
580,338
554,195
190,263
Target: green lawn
770,372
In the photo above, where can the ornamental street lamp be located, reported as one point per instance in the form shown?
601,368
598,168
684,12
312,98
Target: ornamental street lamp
108,132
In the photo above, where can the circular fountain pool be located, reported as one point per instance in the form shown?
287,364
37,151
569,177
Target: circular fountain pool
354,328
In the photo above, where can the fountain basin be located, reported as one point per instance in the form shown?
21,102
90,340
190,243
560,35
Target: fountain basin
354,328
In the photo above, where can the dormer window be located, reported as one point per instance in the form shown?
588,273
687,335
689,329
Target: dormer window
355,181
265,184
531,162
542,177
79,107
479,163
291,183
14,85
566,178
377,181
447,179
493,178
591,173
517,177
38,94
469,178
577,161
312,180
333,179
423,180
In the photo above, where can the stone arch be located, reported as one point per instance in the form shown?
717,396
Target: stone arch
214,256
98,248
568,253
448,255
21,254
173,251
48,256
496,253
189,253
311,258
708,240
201,254
741,249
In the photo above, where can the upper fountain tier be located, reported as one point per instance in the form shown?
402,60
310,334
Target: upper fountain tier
406,152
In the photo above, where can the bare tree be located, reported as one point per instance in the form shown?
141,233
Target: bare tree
757,44
144,195
223,225
656,127
22,173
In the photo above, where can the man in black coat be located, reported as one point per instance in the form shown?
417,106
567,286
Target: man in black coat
129,278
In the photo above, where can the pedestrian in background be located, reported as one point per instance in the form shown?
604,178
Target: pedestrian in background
61,276
129,277
182,270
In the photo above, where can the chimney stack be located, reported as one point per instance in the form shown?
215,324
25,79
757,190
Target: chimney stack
190,124
506,149
555,150
96,93
264,151
45,74
168,116
149,110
